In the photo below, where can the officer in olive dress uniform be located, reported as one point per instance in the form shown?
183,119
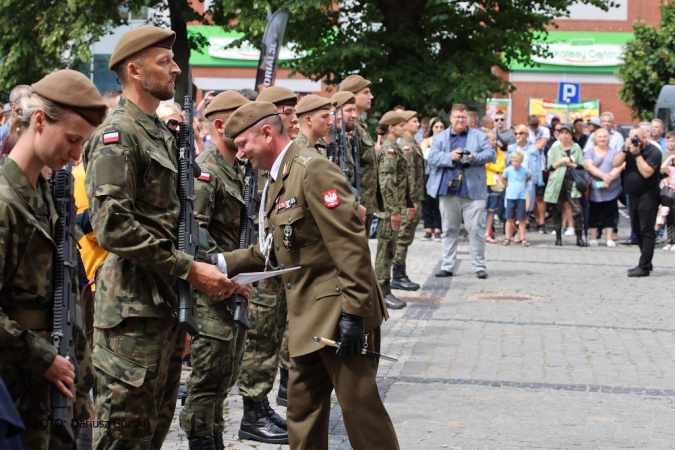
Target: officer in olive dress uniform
132,184
59,117
309,221
216,352
394,195
406,233
360,87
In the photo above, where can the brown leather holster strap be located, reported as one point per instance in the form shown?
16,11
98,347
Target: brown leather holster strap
30,319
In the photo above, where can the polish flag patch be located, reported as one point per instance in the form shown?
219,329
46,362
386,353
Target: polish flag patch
204,176
331,199
111,138
391,151
406,148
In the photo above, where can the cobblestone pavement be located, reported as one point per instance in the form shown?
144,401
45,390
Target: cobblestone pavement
557,349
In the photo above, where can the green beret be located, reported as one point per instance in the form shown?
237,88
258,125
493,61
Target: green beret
407,115
248,115
343,98
73,90
140,38
354,83
278,95
310,103
226,101
392,118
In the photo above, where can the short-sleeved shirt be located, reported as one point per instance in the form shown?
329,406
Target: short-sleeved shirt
505,138
605,165
517,178
542,132
633,182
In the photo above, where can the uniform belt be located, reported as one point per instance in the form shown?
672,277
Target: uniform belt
30,319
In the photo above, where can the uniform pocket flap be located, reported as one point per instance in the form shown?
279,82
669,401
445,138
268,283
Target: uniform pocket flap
328,288
118,367
215,329
162,160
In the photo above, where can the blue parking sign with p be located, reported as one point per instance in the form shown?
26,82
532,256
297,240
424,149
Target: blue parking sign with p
568,93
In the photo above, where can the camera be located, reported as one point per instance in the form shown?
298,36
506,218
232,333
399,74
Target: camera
465,158
636,141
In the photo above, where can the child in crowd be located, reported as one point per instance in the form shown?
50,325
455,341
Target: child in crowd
494,186
515,178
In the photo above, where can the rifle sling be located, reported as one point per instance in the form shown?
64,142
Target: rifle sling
28,319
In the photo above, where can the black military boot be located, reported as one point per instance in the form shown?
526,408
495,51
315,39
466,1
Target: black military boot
202,443
273,416
255,425
580,239
282,396
558,237
400,279
390,299
218,440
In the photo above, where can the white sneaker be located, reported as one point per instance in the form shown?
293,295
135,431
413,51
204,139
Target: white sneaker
593,243
569,232
611,243
669,247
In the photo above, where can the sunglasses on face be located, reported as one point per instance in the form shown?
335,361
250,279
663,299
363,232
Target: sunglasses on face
499,119
520,133
173,123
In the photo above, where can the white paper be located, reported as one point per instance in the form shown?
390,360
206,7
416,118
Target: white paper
252,277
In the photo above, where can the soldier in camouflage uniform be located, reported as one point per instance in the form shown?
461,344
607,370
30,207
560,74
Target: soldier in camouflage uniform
413,156
132,183
29,364
394,195
267,341
216,352
316,118
360,87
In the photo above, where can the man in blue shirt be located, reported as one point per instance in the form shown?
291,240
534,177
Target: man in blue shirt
460,188
657,134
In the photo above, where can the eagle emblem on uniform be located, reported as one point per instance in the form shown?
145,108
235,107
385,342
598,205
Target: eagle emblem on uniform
331,199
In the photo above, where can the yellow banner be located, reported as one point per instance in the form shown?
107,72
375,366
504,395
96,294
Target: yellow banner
546,109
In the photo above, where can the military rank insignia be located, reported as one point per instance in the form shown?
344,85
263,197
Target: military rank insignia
331,199
391,151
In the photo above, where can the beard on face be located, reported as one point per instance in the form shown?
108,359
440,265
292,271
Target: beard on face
157,89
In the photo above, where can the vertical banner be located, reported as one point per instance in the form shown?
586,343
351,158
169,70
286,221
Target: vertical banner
272,41
492,105
546,109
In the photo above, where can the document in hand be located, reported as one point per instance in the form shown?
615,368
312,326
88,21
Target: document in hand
252,277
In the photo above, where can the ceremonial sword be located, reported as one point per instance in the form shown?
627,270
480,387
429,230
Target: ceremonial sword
364,351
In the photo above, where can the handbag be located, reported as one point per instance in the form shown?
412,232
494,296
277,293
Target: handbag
580,180
498,186
667,195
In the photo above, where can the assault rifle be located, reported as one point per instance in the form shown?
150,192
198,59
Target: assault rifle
67,318
342,149
356,153
247,237
332,150
188,230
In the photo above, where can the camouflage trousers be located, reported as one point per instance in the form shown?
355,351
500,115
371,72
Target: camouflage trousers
215,355
266,342
406,234
386,249
138,366
31,395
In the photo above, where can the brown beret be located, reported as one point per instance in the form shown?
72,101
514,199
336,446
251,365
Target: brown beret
310,103
140,38
407,115
226,101
342,98
354,83
248,115
392,118
278,95
74,90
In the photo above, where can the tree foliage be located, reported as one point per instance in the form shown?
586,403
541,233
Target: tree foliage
649,63
420,53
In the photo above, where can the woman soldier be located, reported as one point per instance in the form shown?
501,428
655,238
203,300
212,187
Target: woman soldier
56,121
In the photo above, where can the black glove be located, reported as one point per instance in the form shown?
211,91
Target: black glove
352,330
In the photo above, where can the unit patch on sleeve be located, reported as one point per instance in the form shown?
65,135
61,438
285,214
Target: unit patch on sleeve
331,199
406,148
111,138
204,176
391,151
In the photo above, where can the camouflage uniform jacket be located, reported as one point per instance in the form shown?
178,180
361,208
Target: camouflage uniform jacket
392,176
303,142
368,166
319,232
132,182
413,156
220,199
27,223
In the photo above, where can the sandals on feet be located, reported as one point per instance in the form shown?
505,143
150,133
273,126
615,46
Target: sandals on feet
506,241
525,243
490,239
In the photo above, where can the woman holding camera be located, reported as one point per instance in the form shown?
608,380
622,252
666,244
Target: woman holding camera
563,157
605,187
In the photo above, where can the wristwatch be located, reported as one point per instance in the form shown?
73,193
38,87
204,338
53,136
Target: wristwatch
625,150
